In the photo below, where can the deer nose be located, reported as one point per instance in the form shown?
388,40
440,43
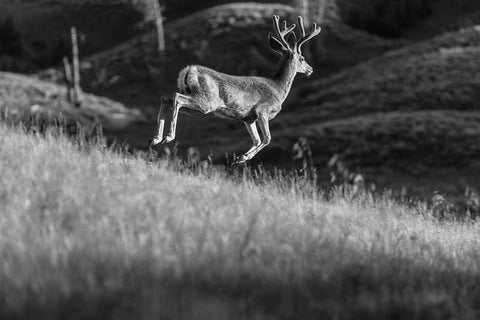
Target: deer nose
309,72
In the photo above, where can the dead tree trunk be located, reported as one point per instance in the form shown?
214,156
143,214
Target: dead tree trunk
159,23
305,12
68,78
159,73
77,90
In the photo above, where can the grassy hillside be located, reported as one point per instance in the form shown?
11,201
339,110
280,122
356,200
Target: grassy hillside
103,235
25,97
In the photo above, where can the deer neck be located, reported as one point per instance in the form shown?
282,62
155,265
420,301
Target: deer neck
284,76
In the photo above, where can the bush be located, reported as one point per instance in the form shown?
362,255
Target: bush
9,39
175,8
384,17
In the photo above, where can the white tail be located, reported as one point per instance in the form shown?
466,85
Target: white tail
253,100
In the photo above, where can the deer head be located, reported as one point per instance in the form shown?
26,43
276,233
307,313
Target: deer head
287,45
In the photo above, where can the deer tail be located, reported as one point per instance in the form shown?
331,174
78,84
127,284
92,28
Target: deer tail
183,80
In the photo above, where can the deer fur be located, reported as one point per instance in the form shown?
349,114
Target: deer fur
253,100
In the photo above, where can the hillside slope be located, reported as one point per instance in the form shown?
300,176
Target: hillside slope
436,76
103,235
25,97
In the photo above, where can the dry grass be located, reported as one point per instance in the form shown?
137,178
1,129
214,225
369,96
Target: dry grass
90,233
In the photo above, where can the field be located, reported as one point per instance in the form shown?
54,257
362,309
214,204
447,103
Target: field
95,225
94,233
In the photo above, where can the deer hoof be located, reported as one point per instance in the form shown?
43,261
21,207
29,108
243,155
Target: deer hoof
241,159
167,139
154,142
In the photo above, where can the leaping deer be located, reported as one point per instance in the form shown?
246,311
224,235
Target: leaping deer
249,99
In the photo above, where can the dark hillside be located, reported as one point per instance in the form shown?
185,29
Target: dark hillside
441,73
43,28
410,19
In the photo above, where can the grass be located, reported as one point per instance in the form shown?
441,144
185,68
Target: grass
93,233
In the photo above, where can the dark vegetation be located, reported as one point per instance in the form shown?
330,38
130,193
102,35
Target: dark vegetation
40,29
384,17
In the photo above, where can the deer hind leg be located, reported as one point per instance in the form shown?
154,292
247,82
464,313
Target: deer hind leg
264,128
179,101
165,104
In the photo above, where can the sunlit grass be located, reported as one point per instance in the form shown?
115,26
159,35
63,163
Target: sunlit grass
87,232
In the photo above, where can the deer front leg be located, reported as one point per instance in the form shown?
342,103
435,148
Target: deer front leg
263,124
179,101
252,130
164,103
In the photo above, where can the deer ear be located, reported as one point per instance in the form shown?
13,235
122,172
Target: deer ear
275,44
292,39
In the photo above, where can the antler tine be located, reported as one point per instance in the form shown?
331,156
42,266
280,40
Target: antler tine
302,26
287,30
315,31
282,33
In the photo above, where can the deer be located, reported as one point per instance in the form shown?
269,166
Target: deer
251,99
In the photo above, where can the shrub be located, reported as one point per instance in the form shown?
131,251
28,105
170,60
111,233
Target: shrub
9,38
384,17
